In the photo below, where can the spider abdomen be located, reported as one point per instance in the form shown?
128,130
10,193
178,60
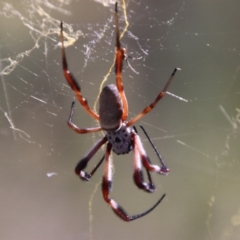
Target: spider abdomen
110,108
121,139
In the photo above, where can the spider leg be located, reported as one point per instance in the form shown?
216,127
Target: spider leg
153,104
145,160
120,56
82,164
138,173
155,149
76,128
72,81
106,188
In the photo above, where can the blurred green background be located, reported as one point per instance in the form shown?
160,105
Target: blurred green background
40,195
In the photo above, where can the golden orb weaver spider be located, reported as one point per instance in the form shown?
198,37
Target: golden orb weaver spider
120,137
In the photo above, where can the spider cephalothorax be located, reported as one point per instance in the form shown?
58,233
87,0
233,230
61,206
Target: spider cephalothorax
120,137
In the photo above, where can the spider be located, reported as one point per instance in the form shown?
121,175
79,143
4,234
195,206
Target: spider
120,136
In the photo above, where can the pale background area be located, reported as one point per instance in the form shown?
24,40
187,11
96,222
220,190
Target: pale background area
40,195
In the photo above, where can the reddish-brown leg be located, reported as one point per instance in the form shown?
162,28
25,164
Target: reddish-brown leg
144,158
76,128
155,149
153,104
72,81
120,56
138,173
106,188
82,164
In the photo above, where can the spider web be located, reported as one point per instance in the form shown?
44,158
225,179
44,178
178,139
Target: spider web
195,126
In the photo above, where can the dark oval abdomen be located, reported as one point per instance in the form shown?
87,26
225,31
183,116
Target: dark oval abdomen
110,108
